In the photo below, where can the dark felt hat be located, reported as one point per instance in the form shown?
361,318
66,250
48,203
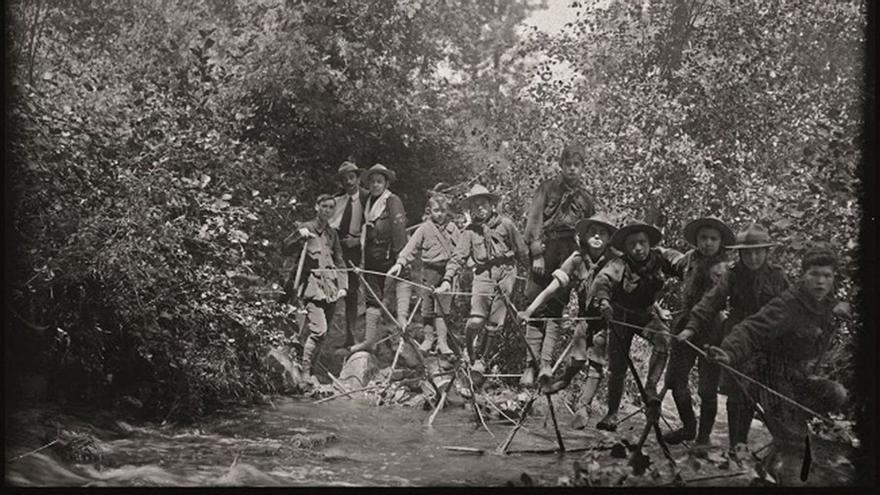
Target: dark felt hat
691,229
634,227
598,219
479,191
380,169
753,237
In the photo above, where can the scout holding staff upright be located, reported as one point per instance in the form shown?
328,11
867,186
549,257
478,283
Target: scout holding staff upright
792,331
550,234
578,271
745,288
495,244
709,236
347,219
318,286
626,290
383,236
434,242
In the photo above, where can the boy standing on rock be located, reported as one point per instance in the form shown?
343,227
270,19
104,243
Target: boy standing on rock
317,285
495,244
579,270
709,236
626,290
550,234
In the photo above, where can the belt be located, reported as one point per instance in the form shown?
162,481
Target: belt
559,234
437,267
489,264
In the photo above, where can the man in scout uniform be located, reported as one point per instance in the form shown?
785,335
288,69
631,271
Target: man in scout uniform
317,289
579,270
550,230
434,242
626,290
709,236
383,236
750,283
793,331
347,219
495,244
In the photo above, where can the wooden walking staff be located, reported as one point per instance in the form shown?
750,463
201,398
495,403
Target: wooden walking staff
504,446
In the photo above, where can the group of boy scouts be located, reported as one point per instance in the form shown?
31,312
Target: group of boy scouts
743,312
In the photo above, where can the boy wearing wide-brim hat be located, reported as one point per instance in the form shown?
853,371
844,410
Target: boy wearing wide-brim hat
626,290
494,243
708,236
557,205
751,282
792,331
348,220
578,271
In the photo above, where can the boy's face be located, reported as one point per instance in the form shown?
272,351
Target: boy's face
325,209
637,246
819,280
481,208
753,258
708,241
377,183
438,214
571,167
597,237
350,182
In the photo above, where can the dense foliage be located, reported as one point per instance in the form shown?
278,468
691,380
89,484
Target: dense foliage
161,150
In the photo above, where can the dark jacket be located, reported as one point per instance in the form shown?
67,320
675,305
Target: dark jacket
387,235
557,206
322,252
635,286
793,328
746,291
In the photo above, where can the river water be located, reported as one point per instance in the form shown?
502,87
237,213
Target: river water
342,442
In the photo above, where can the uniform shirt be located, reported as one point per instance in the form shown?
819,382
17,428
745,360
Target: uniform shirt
793,328
581,269
635,286
387,234
746,290
434,243
322,252
557,205
493,241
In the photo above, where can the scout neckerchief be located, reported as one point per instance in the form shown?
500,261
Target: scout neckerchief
443,236
372,211
488,226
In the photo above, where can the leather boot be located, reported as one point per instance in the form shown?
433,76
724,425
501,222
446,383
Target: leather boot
708,409
428,343
656,365
615,393
313,342
686,412
442,337
534,339
573,368
371,331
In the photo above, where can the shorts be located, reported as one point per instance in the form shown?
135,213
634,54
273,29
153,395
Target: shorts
492,307
434,305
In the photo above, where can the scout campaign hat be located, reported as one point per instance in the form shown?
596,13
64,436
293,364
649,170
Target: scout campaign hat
347,167
691,229
380,169
635,227
478,191
753,237
600,219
